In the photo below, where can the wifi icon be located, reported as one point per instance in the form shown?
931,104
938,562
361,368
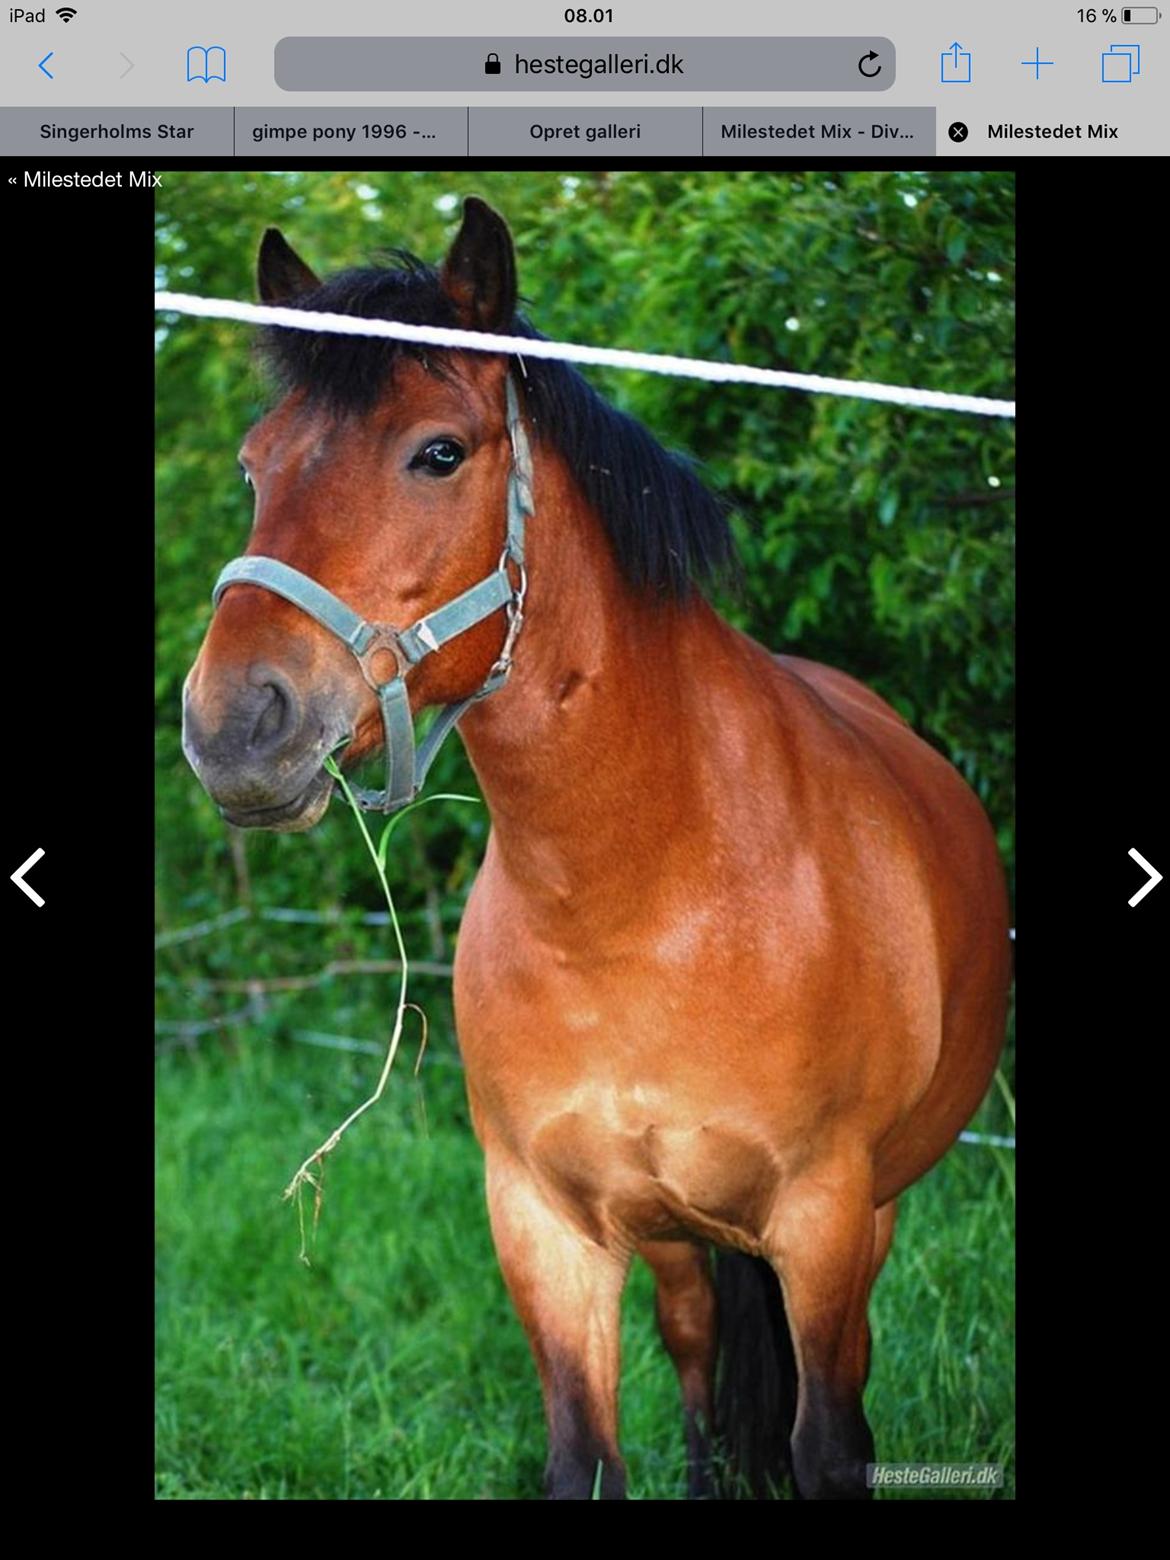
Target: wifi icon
67,13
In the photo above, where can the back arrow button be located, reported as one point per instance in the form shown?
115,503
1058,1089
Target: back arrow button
18,877
41,65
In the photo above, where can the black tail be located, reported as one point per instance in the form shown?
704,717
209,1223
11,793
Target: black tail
755,1393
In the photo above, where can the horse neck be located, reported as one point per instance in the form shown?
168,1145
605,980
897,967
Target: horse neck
598,719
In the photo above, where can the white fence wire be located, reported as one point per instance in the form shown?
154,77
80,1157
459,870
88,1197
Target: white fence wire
574,352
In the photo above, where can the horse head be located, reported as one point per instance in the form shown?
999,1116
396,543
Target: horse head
382,478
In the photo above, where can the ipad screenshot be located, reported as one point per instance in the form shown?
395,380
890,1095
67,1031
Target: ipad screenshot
518,642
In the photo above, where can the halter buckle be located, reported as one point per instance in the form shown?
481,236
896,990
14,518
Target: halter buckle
515,615
383,640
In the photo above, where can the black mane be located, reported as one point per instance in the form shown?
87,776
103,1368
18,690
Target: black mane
667,531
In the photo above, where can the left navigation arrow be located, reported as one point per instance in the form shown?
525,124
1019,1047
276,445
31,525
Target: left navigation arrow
41,65
18,877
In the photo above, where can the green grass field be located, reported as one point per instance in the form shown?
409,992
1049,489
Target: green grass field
393,1367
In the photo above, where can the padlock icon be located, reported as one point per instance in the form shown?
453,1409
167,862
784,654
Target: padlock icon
491,66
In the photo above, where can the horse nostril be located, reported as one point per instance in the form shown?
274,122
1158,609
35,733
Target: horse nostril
275,717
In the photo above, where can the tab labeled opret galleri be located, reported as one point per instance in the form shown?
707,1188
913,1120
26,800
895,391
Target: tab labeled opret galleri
613,132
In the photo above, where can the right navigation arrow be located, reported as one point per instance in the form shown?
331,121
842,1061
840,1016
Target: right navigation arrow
1155,878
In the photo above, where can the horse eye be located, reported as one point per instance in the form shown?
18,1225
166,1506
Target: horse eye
440,457
245,473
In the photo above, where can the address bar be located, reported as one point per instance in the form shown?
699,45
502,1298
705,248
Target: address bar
395,64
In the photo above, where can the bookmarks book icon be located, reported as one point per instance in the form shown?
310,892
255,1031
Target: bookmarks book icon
206,64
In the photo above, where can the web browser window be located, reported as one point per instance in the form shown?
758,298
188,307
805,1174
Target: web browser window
514,616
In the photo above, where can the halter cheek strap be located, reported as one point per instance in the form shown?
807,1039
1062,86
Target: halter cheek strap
407,769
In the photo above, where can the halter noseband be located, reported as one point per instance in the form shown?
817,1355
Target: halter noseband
406,769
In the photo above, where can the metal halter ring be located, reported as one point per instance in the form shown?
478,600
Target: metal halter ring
384,641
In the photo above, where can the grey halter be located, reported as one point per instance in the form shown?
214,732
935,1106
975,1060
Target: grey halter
406,769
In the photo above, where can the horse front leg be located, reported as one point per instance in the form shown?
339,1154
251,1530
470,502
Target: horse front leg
825,1246
567,1293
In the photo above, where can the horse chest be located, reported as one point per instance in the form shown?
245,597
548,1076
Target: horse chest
632,1168
674,1081
631,1153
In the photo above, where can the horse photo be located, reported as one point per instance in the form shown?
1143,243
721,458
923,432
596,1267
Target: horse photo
735,969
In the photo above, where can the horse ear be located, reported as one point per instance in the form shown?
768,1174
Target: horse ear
280,271
479,274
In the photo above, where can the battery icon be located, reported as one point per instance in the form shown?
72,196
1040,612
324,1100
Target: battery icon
1140,14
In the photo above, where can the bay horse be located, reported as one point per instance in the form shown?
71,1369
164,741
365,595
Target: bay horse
734,971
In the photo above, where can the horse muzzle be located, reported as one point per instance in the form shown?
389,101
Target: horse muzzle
260,754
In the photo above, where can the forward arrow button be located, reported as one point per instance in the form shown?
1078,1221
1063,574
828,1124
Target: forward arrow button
1155,878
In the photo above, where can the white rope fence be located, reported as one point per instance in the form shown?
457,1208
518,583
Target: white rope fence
986,1139
569,352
